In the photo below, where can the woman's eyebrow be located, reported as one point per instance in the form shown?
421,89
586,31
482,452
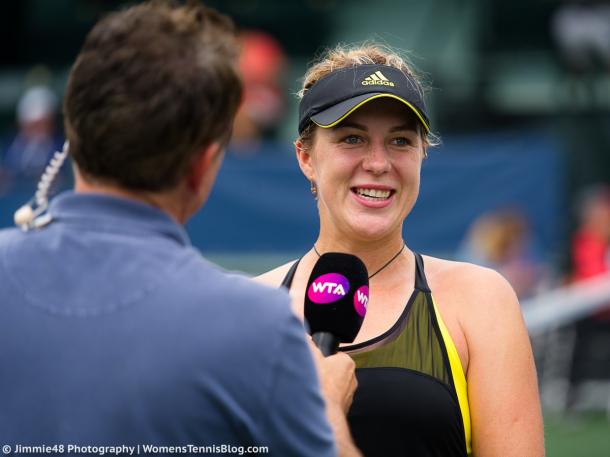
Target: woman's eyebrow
403,127
349,124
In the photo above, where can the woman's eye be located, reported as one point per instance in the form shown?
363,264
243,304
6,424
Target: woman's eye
352,139
401,141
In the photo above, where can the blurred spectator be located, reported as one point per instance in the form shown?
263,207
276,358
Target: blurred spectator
590,258
36,138
591,242
501,240
262,64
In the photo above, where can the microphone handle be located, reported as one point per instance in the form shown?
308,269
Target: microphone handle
326,342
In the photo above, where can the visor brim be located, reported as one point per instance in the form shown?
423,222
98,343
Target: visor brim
336,113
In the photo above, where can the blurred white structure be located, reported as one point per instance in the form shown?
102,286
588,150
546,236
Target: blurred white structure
549,318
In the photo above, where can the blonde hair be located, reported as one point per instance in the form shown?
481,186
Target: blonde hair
343,56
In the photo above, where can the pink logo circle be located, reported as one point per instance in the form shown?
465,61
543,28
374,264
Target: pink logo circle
328,288
361,300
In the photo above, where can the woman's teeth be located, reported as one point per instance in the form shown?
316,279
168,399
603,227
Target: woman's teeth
373,194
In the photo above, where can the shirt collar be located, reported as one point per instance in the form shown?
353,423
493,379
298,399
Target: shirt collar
115,214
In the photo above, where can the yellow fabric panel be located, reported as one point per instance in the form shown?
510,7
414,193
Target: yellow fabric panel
459,379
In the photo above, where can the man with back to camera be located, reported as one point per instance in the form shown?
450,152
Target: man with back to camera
115,330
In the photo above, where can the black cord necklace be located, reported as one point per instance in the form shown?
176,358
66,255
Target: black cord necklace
386,264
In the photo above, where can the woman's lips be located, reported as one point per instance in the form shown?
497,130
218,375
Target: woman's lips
373,196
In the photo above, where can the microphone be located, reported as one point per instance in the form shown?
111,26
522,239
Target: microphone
336,299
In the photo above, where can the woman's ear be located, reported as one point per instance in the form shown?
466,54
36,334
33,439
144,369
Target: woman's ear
304,158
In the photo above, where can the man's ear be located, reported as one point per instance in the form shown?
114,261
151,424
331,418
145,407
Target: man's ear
304,159
201,163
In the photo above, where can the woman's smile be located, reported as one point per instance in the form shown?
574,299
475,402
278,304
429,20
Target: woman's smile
373,196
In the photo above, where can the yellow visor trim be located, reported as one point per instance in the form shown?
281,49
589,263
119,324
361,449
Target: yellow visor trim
459,379
373,98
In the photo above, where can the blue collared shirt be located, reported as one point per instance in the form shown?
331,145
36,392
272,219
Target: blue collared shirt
114,330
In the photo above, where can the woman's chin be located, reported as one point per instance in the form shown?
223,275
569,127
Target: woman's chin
372,230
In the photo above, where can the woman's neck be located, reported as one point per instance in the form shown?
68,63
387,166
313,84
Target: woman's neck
374,253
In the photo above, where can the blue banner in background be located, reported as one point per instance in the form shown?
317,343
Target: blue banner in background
262,203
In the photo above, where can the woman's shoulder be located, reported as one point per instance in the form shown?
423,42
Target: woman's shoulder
477,299
472,288
274,277
463,274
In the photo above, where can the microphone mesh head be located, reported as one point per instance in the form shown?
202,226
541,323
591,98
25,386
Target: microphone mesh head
337,295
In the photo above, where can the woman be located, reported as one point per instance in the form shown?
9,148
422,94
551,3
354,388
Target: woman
449,376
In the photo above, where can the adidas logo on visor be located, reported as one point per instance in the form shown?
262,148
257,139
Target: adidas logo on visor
377,79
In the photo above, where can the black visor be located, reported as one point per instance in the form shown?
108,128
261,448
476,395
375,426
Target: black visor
338,94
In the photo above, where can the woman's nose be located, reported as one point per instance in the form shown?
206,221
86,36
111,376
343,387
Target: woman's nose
376,160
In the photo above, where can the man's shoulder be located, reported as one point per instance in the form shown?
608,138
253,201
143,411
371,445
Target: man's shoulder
8,234
239,292
8,237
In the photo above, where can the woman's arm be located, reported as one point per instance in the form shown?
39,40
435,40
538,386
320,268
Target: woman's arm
502,385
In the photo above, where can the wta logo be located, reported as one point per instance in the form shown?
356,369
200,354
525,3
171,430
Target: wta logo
361,300
328,288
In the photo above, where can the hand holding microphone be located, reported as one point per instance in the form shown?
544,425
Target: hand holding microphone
337,374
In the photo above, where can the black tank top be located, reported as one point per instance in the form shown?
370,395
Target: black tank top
411,398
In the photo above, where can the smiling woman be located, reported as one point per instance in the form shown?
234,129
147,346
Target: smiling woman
451,375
